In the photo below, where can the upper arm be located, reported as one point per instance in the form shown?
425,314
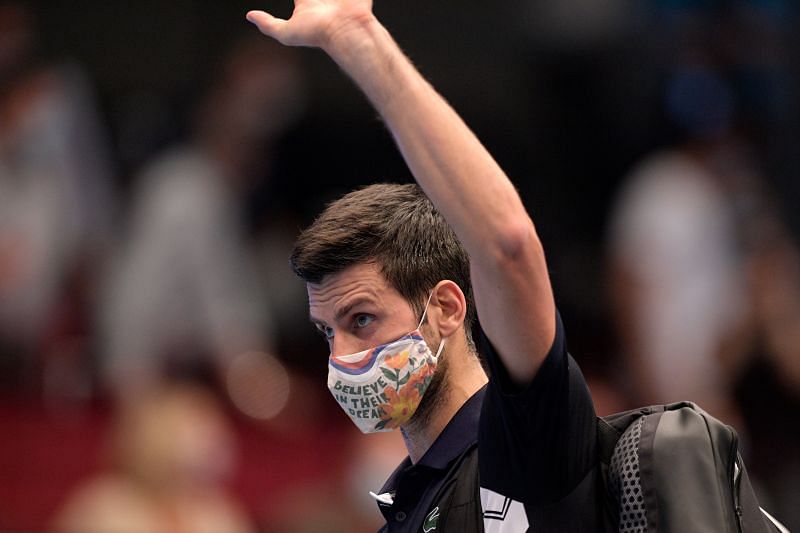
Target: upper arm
514,300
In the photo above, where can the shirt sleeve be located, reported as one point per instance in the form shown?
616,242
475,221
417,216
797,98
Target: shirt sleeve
536,441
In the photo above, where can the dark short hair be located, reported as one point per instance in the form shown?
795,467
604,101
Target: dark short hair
398,228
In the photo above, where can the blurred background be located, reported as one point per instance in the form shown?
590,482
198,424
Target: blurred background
157,370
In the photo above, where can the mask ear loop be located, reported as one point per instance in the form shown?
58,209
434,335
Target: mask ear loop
425,312
439,351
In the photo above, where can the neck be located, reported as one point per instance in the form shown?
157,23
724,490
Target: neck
463,379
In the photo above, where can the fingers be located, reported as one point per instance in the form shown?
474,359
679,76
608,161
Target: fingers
267,24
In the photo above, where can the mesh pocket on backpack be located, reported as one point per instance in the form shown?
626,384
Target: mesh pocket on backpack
625,482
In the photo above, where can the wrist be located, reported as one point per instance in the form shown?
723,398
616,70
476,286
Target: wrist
351,36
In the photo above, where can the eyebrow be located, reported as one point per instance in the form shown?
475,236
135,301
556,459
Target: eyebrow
344,310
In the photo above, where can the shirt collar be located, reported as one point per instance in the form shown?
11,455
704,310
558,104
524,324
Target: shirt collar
459,433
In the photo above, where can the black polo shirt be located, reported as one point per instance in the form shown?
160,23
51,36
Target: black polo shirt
536,453
414,486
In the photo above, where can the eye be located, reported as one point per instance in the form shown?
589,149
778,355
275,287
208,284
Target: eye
325,331
362,321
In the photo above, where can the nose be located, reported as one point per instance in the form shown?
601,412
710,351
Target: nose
339,346
343,344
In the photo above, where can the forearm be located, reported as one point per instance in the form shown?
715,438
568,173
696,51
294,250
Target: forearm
445,157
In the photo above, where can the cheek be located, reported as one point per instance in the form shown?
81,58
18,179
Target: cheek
432,339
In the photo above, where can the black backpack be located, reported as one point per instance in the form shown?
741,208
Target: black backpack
676,468
664,468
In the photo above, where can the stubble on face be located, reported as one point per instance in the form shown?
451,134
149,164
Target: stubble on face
435,395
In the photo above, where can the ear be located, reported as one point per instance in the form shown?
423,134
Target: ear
450,307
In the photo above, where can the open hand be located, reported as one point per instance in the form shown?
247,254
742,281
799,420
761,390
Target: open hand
314,22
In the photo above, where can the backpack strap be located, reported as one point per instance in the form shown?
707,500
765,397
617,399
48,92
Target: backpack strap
461,510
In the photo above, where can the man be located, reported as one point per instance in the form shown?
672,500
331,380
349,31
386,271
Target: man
381,261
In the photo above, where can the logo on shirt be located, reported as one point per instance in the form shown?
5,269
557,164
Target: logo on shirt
430,521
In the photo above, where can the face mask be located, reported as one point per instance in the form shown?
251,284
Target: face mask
381,388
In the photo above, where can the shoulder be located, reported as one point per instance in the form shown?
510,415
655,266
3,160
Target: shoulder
555,364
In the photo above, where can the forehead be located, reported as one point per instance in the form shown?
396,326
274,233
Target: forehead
360,282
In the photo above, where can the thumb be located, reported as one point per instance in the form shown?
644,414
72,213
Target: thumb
267,24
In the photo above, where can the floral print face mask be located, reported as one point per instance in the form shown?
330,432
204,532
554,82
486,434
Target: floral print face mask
381,388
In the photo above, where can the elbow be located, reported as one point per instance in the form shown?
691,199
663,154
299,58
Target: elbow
517,241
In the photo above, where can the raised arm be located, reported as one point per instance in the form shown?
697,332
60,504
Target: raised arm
510,280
